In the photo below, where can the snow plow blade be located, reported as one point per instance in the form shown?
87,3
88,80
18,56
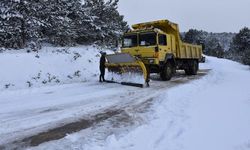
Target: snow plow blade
126,83
132,84
123,64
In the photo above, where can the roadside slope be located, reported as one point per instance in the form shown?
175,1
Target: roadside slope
49,66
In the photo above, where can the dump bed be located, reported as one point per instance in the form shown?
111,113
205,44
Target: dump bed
183,50
190,51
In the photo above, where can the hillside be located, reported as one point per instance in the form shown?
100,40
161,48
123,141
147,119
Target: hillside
49,66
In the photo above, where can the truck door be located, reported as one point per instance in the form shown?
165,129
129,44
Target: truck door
163,45
173,45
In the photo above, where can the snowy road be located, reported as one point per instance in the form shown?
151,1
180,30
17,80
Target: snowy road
29,112
209,114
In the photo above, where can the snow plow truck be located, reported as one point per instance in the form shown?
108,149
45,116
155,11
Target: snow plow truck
155,47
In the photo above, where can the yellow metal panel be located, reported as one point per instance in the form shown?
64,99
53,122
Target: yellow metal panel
142,51
191,51
138,63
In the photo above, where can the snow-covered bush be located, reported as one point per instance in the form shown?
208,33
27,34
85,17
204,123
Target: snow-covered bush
34,46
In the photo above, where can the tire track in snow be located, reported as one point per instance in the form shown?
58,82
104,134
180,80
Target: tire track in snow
139,103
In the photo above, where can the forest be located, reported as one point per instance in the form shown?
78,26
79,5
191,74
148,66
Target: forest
30,23
59,22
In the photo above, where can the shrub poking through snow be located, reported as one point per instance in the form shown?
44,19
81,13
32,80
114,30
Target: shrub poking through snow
70,77
77,73
8,85
76,55
2,49
38,76
29,84
51,77
34,46
61,51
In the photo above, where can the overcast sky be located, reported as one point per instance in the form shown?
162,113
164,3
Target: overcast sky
209,15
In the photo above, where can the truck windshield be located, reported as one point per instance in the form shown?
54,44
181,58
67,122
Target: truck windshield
147,39
129,40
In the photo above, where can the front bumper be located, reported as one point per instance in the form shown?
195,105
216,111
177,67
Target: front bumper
151,61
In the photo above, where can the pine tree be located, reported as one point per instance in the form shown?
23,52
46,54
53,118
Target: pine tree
220,52
194,36
213,47
107,23
240,47
59,18
12,32
115,25
19,22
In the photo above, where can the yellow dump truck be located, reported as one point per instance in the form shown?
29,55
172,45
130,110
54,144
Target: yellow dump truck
159,47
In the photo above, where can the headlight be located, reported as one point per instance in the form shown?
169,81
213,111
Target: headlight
151,61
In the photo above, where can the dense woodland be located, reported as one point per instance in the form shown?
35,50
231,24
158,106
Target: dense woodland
234,46
66,23
60,22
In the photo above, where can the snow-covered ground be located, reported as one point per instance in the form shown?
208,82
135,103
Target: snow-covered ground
205,112
51,66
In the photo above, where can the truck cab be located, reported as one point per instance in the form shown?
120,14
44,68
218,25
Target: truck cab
150,45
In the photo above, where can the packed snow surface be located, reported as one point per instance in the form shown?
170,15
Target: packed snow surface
210,113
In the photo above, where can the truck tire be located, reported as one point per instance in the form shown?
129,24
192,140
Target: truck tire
166,72
192,67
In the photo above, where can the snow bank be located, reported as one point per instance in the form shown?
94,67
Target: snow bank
48,67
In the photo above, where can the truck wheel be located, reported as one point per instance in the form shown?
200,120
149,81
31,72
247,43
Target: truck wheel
167,72
192,68
195,67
